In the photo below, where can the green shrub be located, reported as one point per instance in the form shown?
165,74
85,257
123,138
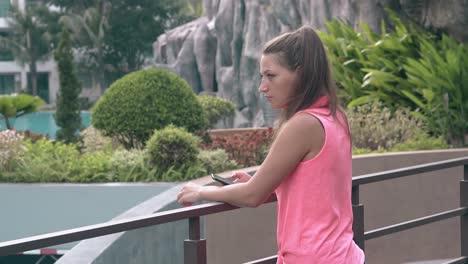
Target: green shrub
247,148
46,161
92,167
421,141
408,67
172,147
184,173
130,166
93,140
374,126
361,151
11,149
16,105
217,160
32,136
215,108
140,102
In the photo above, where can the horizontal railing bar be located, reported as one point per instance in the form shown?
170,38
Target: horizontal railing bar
402,172
77,234
268,260
462,260
414,223
111,227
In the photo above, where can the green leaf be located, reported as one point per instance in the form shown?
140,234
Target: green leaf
414,99
360,101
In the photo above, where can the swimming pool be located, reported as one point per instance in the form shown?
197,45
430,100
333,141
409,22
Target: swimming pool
42,122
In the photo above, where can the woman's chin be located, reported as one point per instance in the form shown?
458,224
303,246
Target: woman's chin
277,106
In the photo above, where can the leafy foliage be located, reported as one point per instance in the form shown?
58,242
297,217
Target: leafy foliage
11,148
172,147
89,29
126,47
129,166
215,108
374,126
247,148
67,115
421,141
17,105
134,106
106,35
215,161
45,161
92,141
407,67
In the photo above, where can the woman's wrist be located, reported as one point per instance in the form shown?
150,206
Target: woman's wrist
205,193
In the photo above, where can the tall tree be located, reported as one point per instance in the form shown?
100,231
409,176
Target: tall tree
89,31
67,115
115,37
29,41
135,25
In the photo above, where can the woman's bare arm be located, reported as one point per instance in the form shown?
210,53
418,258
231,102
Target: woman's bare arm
301,135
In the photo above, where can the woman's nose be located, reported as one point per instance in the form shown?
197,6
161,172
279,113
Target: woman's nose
263,87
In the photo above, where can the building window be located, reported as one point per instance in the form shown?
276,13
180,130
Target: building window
4,7
7,83
5,54
42,85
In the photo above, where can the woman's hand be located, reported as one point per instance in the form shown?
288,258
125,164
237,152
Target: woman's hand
239,176
189,194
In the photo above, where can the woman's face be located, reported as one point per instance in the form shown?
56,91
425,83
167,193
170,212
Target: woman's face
278,83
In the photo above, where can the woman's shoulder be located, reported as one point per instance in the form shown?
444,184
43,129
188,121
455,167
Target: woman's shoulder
304,125
304,120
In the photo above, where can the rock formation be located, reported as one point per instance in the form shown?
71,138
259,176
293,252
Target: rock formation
219,52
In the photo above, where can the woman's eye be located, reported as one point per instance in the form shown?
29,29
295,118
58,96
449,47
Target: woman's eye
268,76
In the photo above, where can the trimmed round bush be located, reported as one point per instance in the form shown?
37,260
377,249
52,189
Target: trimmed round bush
216,108
172,147
215,161
140,102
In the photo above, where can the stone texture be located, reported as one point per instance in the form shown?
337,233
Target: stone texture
219,53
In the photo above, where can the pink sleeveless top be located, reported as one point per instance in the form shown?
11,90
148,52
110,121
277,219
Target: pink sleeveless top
315,216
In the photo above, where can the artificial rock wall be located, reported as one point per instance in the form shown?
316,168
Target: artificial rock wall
219,52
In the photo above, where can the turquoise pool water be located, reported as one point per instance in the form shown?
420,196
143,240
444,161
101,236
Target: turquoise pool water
42,122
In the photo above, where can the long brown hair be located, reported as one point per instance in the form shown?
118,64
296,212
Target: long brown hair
302,51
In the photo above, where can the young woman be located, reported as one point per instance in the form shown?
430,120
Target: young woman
309,162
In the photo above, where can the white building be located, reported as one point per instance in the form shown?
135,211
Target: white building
13,75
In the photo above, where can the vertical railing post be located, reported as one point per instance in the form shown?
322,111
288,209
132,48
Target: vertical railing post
464,218
358,218
194,247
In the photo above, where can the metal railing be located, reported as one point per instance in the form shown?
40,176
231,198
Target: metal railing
195,246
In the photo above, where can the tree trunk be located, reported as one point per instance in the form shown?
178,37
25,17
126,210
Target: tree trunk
33,71
7,122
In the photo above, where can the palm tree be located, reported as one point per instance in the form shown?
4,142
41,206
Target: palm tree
29,40
89,30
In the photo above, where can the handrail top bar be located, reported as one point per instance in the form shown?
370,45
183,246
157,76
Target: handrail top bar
116,226
410,170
